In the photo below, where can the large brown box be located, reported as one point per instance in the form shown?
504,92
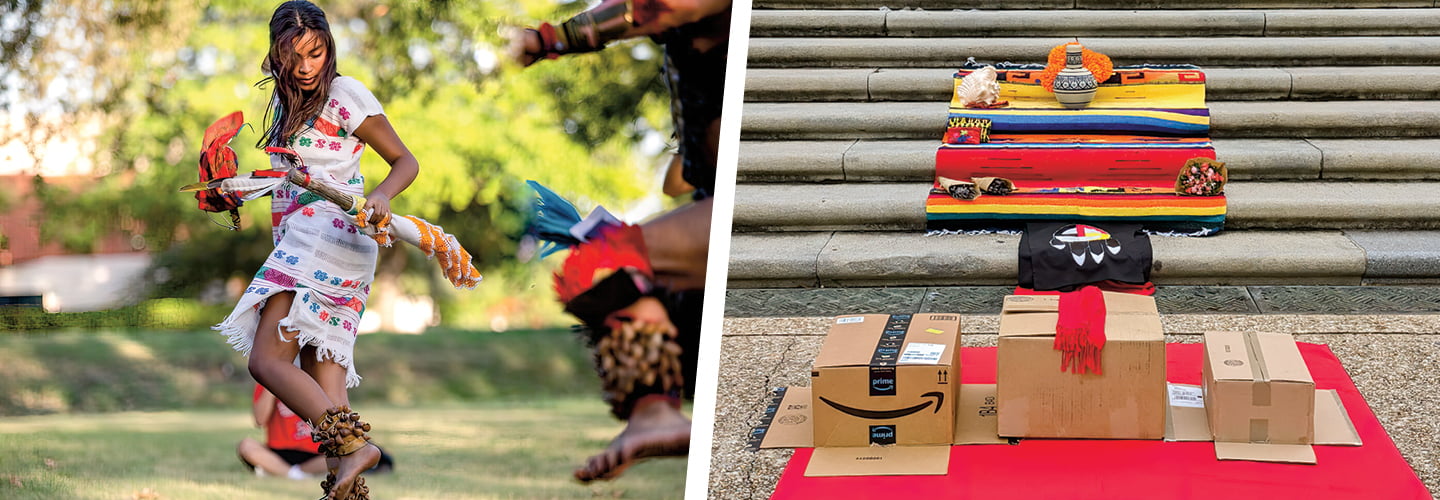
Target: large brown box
887,379
1258,389
1036,399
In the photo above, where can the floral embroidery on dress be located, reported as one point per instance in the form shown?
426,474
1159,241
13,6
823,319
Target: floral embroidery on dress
308,212
292,260
344,113
358,147
334,102
334,145
321,276
304,141
277,277
321,143
339,224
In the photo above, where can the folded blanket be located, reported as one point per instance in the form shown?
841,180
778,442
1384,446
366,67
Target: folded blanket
1133,166
1147,121
1137,100
1195,215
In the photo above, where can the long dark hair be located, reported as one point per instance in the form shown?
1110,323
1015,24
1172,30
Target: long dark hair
290,106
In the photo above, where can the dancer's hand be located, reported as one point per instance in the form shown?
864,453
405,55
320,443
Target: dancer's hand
378,206
524,46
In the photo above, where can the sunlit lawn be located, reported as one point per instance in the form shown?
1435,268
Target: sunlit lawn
480,450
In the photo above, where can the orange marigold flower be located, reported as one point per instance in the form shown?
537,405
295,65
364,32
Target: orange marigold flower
1098,64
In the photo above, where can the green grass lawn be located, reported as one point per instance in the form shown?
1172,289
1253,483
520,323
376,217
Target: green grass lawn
448,451
87,371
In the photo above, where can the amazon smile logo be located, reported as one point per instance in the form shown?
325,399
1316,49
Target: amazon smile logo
886,414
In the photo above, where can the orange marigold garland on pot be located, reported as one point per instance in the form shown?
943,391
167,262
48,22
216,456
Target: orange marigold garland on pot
1098,64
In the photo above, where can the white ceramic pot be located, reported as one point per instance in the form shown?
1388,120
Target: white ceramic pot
1075,86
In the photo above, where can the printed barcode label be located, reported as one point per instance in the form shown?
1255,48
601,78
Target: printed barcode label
920,353
852,319
1190,397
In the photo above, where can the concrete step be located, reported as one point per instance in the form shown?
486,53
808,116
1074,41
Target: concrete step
1222,84
1251,205
1095,23
926,120
1080,5
1231,258
1231,51
1247,159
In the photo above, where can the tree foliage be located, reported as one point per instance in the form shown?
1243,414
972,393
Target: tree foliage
156,73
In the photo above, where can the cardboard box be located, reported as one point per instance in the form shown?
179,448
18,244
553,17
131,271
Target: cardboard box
1125,401
786,424
787,421
887,380
1186,420
1258,389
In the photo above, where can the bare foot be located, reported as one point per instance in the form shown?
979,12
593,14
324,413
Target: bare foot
350,468
656,429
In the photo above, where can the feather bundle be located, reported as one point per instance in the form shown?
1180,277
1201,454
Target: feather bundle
552,219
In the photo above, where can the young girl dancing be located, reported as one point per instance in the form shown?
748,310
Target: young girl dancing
306,301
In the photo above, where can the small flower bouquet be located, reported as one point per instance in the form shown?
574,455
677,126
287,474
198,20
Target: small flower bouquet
1201,177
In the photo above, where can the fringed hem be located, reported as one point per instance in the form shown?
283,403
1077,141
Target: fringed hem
240,330
971,232
1205,231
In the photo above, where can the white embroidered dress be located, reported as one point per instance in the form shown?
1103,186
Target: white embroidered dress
319,253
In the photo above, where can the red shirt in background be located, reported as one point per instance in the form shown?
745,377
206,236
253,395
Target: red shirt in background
285,430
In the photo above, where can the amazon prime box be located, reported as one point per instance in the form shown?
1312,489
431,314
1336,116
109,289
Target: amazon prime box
887,380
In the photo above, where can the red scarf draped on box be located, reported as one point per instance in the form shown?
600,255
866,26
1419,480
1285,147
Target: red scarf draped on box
1080,330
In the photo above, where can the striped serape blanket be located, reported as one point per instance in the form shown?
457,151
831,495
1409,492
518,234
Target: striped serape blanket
1143,124
1191,215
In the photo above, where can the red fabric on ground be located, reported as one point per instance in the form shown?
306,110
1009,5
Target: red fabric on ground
1112,469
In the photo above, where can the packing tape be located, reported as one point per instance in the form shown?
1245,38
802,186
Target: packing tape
1257,358
1260,394
1259,430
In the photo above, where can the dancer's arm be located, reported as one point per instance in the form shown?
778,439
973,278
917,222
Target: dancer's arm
612,20
377,132
675,184
262,409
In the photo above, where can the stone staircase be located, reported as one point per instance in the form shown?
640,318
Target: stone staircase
1328,117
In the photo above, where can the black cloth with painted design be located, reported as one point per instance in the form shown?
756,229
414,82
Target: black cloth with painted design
1065,256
